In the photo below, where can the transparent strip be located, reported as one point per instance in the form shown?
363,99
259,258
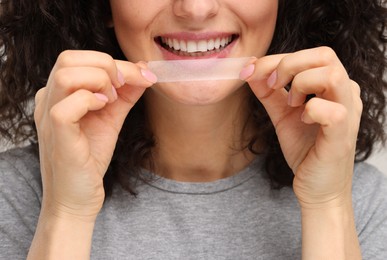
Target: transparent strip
198,69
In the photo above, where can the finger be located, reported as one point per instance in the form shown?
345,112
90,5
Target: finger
338,130
333,117
71,109
66,114
294,63
40,94
357,101
39,113
329,82
258,73
39,103
70,79
82,58
137,79
136,73
274,101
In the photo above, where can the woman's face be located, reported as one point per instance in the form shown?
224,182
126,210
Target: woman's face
194,29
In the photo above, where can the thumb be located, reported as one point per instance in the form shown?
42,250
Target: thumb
257,75
137,79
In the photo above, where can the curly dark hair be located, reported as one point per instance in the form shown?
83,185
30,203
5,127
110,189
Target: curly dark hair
33,33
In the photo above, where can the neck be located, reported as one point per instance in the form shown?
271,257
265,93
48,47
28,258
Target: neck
199,143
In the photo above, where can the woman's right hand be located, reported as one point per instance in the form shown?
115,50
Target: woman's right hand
78,116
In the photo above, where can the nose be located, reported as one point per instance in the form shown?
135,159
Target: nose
197,10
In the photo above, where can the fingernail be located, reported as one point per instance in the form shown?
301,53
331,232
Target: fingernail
303,117
306,118
120,78
114,91
101,97
246,72
272,79
149,75
290,98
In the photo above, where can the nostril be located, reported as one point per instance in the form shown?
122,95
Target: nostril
196,10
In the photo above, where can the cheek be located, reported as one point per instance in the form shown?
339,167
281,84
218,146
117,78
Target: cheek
135,14
132,20
258,19
255,12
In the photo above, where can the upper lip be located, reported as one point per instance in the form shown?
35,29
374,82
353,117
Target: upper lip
195,36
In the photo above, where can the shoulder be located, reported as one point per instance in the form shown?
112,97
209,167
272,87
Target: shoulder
368,180
370,208
20,201
20,166
20,155
369,187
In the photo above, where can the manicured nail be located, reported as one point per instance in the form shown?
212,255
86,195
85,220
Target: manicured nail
303,117
246,72
290,98
306,118
272,79
120,78
149,75
114,91
101,97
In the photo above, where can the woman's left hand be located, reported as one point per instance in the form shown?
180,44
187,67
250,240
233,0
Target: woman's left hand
318,138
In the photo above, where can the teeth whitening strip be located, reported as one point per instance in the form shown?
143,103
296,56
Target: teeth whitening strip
197,69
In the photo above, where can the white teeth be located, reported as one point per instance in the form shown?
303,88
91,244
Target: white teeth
176,44
217,43
170,43
222,42
211,44
191,46
202,46
196,46
183,46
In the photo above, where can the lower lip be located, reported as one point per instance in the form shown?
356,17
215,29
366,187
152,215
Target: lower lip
224,53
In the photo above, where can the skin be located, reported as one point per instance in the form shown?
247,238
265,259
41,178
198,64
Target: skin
79,115
210,106
196,17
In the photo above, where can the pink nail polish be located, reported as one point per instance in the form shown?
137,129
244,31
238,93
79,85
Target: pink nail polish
149,75
120,78
303,117
290,98
101,97
272,79
247,72
114,91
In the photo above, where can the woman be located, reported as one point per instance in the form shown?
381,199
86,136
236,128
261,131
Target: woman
196,155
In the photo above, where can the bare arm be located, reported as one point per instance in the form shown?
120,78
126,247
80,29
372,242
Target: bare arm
330,233
59,237
318,139
79,115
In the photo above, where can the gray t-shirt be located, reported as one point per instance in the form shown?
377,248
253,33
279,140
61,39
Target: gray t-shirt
239,217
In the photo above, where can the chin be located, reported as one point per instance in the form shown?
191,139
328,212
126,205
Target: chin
198,93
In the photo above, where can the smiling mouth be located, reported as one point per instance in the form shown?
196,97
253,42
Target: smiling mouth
195,48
